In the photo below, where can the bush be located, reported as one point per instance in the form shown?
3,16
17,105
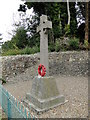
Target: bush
57,46
20,38
51,47
9,45
26,50
86,44
29,50
11,52
35,49
62,44
67,30
74,44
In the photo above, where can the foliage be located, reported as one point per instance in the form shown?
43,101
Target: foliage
51,47
86,44
9,45
18,41
74,44
32,23
73,28
62,44
26,50
29,50
56,12
67,30
20,38
27,41
11,52
34,41
57,46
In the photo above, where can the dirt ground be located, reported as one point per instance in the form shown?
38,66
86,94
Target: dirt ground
2,114
75,90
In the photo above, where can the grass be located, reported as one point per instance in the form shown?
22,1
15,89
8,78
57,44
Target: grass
73,44
26,50
11,52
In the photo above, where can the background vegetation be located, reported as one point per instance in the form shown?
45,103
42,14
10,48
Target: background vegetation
63,36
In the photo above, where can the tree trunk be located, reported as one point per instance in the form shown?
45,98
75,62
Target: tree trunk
68,10
87,22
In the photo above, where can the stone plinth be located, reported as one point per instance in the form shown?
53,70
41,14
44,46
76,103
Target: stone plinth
44,94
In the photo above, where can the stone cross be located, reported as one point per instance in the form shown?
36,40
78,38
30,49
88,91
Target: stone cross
42,29
44,93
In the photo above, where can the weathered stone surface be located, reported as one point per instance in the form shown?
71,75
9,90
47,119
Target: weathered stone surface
42,28
15,65
71,63
44,94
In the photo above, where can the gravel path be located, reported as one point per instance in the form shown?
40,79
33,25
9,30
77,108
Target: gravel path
75,90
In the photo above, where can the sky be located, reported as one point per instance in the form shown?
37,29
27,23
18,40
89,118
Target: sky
8,16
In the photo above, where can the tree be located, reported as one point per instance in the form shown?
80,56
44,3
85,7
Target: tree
53,11
8,45
85,8
20,39
59,13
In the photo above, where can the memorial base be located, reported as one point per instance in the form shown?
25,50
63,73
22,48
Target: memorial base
44,94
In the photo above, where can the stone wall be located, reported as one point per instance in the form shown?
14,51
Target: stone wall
60,63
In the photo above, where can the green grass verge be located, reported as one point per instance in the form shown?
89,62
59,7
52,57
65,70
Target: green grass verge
26,50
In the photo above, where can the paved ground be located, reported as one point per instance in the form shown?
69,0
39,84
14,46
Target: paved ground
75,90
